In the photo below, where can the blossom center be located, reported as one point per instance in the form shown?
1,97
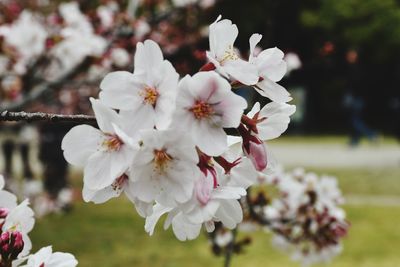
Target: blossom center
112,142
229,54
119,183
201,110
150,95
161,159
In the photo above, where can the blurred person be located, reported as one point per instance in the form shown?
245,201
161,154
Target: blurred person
354,102
17,138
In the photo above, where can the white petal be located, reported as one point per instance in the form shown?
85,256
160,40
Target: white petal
97,172
104,116
242,71
273,91
254,110
230,213
210,140
7,200
227,192
147,56
254,40
99,196
120,90
184,230
61,259
277,120
152,220
80,143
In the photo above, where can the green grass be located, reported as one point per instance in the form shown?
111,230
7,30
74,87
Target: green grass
378,181
329,139
113,235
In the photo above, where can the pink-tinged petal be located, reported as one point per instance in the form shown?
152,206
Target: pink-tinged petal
273,91
242,71
147,56
203,187
80,143
104,116
257,154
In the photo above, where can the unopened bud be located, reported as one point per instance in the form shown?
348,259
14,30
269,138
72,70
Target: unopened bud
253,148
17,244
257,154
3,212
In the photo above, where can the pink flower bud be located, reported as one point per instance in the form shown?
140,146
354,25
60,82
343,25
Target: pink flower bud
257,154
3,212
253,148
17,244
11,245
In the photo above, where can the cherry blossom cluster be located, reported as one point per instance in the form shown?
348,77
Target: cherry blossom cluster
16,221
162,140
45,46
306,216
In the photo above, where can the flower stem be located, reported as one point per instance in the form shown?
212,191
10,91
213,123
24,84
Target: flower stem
230,249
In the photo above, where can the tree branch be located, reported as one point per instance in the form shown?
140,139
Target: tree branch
49,117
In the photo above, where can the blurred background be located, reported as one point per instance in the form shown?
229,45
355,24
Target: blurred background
343,62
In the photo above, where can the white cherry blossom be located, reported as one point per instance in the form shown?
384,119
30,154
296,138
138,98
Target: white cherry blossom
106,153
21,219
149,93
223,56
205,105
270,68
208,204
45,257
272,120
165,167
27,37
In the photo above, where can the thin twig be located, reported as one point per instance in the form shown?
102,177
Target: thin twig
41,116
230,249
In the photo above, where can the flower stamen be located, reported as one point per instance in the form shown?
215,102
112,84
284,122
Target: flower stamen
161,159
112,142
150,95
201,110
229,55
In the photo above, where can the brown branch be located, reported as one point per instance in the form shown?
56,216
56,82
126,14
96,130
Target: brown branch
41,116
